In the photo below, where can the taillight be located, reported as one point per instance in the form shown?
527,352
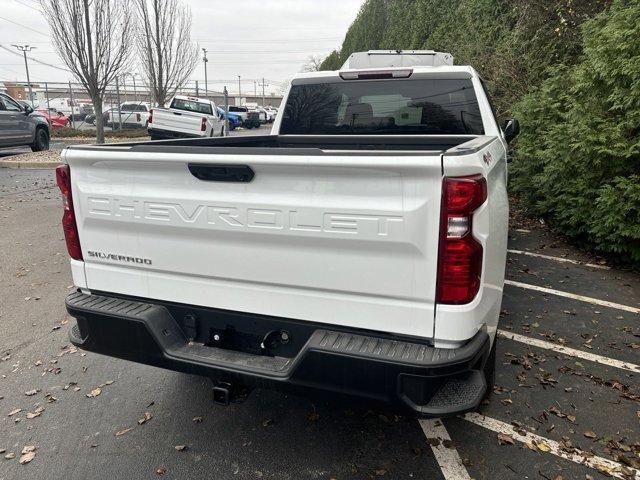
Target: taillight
150,116
460,254
376,74
63,179
203,125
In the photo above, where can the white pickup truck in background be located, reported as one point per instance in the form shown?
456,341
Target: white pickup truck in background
186,117
360,248
131,115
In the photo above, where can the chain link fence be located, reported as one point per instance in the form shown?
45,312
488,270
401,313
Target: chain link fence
71,100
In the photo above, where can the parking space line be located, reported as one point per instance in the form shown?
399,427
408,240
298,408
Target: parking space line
446,456
559,259
573,296
541,444
592,357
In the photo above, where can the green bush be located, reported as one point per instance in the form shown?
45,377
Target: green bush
578,160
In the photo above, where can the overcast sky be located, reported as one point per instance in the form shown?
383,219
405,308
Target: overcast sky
251,38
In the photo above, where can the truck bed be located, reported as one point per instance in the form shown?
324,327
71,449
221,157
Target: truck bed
305,144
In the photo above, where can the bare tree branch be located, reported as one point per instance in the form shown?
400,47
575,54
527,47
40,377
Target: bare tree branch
313,64
168,54
93,38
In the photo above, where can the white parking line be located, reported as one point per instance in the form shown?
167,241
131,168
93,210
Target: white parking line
448,458
573,296
559,259
542,444
570,351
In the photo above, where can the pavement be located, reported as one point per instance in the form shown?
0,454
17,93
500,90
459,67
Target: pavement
566,403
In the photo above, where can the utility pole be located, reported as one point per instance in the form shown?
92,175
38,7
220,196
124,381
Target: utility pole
226,112
24,49
255,88
239,91
263,85
205,60
135,91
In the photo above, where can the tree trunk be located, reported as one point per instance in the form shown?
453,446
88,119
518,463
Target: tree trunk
97,107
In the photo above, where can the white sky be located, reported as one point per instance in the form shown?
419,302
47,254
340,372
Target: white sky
251,38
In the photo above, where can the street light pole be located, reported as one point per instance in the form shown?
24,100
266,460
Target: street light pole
239,90
24,49
205,60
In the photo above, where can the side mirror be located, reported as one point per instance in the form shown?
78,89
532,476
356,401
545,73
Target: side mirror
511,129
28,110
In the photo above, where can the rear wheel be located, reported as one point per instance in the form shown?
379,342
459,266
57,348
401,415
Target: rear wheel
41,141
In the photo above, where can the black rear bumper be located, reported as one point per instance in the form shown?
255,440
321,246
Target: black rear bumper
413,376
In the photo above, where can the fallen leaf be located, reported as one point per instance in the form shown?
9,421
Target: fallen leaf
180,448
31,393
380,472
28,449
94,393
122,432
9,456
161,471
197,419
2,450
13,412
267,422
590,434
504,439
542,446
145,419
27,457
34,414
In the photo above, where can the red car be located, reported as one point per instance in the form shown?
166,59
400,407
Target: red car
55,118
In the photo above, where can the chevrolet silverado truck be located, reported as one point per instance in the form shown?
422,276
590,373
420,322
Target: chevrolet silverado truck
359,249
186,117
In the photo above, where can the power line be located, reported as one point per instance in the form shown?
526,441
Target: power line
36,60
28,6
24,26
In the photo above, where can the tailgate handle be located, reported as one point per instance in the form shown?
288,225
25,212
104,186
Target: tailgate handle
222,173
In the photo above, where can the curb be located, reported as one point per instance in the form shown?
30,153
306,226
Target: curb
21,164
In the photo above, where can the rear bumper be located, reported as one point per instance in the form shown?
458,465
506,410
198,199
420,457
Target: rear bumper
167,134
412,376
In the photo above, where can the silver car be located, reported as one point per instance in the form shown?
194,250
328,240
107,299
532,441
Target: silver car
20,125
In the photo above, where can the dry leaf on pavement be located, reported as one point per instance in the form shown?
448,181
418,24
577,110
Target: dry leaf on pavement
13,412
180,448
122,432
31,393
145,419
27,457
161,471
94,393
590,434
504,439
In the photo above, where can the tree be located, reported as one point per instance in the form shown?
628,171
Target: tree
93,38
313,64
168,54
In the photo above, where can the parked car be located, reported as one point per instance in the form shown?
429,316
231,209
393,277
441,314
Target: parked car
21,125
67,107
263,115
272,113
186,117
250,118
360,248
132,115
234,120
55,118
91,118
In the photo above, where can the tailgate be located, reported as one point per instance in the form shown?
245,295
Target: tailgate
343,239
177,121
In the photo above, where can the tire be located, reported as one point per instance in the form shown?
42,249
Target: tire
41,141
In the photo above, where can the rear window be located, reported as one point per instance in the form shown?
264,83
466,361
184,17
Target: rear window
238,109
191,106
133,107
401,107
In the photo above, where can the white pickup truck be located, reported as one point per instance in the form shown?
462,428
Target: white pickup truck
186,117
359,249
132,115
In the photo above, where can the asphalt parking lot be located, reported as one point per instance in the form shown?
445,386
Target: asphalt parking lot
566,403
